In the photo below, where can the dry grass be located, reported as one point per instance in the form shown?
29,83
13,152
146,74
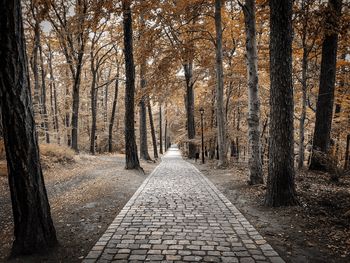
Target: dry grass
52,154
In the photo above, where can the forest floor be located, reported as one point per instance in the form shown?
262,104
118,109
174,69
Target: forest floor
85,196
316,231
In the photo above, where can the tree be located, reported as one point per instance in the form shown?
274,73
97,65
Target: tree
72,34
324,108
220,88
143,110
280,182
255,165
33,226
160,130
153,132
114,109
132,160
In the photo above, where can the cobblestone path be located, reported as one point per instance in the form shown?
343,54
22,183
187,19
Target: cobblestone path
178,215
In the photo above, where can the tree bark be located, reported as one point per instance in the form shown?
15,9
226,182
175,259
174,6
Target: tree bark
114,109
43,94
324,108
132,160
34,64
255,165
347,155
280,182
153,132
191,128
143,109
221,126
160,130
53,91
93,94
33,226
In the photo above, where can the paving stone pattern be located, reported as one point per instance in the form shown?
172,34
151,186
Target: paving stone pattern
178,215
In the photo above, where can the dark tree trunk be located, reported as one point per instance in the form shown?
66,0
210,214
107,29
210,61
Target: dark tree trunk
75,106
191,129
166,134
143,110
153,132
33,226
347,155
114,109
67,118
160,130
280,182
132,160
143,131
93,94
324,110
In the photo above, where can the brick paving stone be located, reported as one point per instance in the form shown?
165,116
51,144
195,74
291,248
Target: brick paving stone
178,215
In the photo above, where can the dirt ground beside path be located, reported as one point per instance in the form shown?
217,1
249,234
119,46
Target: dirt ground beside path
85,197
316,231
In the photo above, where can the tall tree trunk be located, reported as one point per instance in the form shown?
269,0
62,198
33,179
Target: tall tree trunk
280,182
75,105
43,94
347,155
33,226
34,64
67,117
160,130
255,165
303,109
166,133
220,88
54,107
324,110
132,160
191,128
153,132
114,109
143,110
301,154
93,94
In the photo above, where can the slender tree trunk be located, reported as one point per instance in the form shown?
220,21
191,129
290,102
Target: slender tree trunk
132,160
303,109
93,94
324,110
280,182
160,130
220,88
191,128
153,132
33,226
75,105
255,165
166,133
143,109
114,109
67,118
347,155
43,94
34,63
54,107
305,8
